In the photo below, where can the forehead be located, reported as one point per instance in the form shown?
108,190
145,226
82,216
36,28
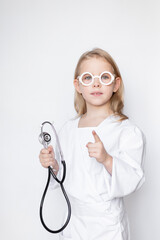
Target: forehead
95,66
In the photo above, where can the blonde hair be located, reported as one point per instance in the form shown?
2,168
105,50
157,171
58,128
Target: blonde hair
116,101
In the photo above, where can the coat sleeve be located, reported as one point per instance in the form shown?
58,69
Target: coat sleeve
128,163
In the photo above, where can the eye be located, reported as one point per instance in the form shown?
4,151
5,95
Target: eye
88,77
105,76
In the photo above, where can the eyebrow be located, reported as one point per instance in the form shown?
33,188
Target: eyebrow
98,74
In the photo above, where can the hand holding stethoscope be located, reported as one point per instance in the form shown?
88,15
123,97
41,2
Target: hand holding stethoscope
47,159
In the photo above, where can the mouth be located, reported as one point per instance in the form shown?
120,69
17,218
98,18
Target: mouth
96,93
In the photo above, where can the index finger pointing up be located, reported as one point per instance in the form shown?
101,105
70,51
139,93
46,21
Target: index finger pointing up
96,137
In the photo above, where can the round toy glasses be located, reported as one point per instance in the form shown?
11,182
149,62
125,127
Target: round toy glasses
106,78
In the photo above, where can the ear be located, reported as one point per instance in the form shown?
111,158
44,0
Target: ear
76,85
117,84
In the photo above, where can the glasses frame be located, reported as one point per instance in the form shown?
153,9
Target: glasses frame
112,78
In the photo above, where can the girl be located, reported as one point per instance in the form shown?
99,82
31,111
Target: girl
103,150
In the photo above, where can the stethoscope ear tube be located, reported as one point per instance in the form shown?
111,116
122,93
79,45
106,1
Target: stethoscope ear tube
50,172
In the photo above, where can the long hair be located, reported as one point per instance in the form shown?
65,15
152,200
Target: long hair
116,101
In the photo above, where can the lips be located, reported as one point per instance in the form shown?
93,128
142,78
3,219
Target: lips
96,93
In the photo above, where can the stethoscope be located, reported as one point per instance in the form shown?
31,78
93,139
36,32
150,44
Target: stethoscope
45,140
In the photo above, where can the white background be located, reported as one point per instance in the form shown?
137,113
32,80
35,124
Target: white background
40,44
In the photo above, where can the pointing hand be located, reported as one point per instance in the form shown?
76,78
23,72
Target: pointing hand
97,149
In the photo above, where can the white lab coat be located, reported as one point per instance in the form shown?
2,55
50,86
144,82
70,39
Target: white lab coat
96,197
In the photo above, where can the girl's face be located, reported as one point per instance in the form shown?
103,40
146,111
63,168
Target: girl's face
96,66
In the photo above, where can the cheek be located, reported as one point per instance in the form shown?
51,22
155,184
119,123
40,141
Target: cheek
109,90
86,91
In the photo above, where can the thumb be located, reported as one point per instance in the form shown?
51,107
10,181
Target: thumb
88,143
50,148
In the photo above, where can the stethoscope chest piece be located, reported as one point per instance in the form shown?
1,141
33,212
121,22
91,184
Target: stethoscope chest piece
45,138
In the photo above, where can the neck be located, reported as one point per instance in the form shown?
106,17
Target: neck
98,111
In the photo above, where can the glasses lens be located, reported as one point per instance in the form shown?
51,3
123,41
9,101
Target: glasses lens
106,77
87,78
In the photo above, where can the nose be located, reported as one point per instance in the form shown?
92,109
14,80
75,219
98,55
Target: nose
96,81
